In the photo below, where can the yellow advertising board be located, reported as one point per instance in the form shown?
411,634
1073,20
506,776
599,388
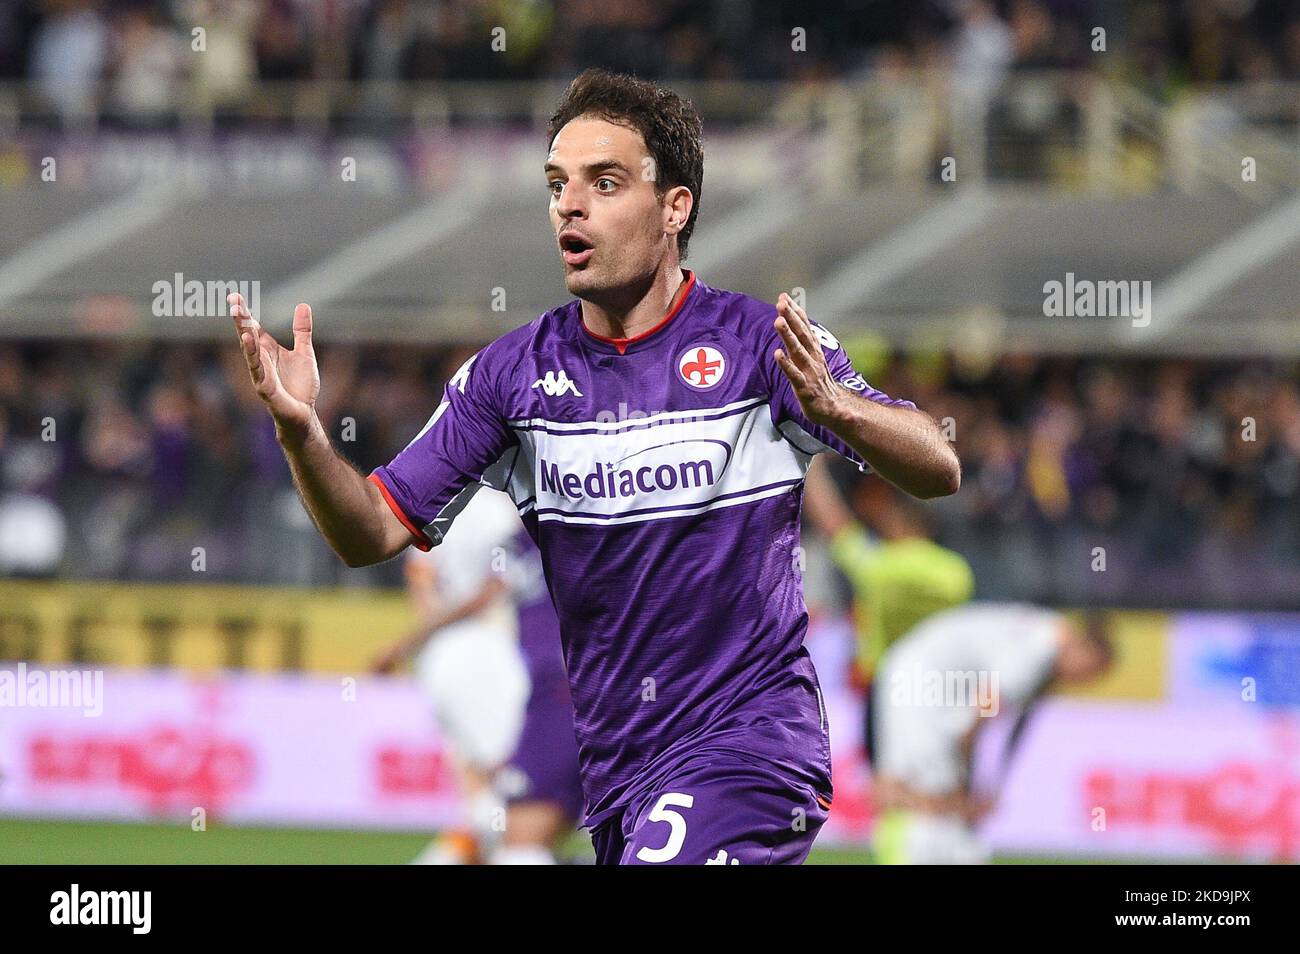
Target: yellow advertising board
205,628
197,627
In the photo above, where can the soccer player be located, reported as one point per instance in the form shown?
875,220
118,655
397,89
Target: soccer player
899,576
934,691
468,662
669,535
541,782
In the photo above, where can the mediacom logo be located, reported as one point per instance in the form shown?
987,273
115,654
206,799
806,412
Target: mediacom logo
616,479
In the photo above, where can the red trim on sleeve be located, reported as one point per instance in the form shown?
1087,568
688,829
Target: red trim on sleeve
421,541
622,343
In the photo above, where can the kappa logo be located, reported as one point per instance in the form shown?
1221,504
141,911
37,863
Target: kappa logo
825,338
556,383
461,377
702,366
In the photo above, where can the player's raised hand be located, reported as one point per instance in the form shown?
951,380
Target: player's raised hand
804,363
287,380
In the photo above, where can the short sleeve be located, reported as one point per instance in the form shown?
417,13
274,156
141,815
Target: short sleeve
787,412
466,443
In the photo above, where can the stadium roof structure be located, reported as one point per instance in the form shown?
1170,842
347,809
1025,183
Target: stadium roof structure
930,266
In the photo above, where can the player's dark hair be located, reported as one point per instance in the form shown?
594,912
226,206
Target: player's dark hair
670,126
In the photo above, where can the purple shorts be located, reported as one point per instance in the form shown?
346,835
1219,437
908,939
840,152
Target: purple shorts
723,810
544,767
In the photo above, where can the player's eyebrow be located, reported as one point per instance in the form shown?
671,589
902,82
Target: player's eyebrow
592,168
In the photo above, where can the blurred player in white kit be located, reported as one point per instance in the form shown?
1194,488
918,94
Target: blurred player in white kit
467,659
936,687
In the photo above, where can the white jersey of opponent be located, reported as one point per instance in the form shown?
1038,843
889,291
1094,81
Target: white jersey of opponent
472,669
478,546
935,682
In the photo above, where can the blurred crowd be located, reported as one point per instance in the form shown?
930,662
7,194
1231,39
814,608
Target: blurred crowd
1138,482
1142,482
129,57
131,457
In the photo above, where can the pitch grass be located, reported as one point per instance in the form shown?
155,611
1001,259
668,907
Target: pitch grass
95,843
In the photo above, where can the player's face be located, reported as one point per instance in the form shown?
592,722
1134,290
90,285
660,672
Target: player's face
608,222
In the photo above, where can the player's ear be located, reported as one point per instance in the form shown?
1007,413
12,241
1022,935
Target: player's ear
677,204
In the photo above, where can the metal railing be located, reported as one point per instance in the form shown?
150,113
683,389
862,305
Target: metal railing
1082,130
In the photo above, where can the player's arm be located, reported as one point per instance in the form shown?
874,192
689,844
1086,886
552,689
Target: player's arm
901,444
966,749
435,614
889,792
485,596
851,546
823,504
349,510
421,586
972,805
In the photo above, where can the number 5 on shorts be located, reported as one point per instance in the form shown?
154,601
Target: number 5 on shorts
662,812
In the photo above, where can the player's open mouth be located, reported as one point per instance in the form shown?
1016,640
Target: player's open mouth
575,249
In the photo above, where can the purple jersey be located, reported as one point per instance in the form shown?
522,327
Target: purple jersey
661,478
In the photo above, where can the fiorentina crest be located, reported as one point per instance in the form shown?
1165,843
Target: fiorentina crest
702,366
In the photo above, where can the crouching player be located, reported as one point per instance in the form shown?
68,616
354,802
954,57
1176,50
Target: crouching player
899,576
976,659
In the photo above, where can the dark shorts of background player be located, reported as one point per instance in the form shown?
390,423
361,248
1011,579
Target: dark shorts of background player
544,767
869,724
722,811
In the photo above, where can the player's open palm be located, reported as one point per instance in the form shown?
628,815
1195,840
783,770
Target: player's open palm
804,363
287,379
